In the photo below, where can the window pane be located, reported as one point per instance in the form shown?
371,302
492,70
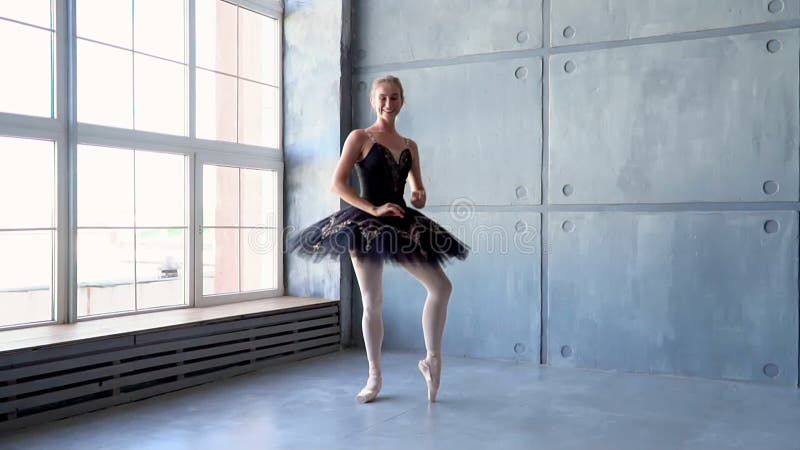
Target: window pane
159,28
220,196
257,47
160,189
27,183
216,106
105,85
26,263
105,186
160,268
35,12
216,35
26,79
258,114
108,21
105,271
259,194
258,259
220,260
160,97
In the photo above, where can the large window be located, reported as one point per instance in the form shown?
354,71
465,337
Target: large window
140,159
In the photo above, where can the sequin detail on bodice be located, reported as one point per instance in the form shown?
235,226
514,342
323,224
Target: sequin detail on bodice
382,178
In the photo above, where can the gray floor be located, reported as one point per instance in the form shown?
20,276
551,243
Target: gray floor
483,405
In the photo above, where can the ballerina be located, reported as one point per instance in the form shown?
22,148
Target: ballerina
380,227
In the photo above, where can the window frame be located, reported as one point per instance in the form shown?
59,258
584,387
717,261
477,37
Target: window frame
67,133
56,130
29,127
210,157
99,139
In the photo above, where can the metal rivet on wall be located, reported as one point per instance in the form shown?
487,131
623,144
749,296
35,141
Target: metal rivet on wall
566,351
569,67
567,190
772,226
522,36
568,32
773,45
519,226
521,73
775,6
362,86
568,226
771,370
521,191
770,187
519,348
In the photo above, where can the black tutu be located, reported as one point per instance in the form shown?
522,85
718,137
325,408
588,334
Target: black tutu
414,238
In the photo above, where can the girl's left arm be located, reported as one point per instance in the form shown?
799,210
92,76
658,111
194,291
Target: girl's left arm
418,196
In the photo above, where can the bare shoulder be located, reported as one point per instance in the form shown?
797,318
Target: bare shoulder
356,144
357,139
413,146
358,136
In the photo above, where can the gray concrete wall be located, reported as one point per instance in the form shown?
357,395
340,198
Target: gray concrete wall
649,147
312,76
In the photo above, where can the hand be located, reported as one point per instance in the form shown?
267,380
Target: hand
418,198
388,210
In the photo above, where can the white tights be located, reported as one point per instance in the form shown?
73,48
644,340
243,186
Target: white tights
434,313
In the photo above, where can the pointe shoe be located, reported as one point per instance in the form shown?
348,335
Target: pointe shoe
366,395
433,387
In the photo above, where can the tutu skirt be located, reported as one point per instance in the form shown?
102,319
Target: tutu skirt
414,238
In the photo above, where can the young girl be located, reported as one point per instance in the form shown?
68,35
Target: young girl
379,227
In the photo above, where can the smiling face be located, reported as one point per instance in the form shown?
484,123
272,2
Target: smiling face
387,99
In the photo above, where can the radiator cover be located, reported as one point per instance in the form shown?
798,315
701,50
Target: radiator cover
53,382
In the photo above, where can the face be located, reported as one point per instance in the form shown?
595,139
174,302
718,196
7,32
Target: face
386,100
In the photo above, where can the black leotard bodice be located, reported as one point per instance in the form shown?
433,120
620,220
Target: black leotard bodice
382,178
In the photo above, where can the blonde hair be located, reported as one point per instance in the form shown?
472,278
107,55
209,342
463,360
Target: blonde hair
387,79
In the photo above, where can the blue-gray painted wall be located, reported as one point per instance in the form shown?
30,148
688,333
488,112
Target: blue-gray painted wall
626,172
312,74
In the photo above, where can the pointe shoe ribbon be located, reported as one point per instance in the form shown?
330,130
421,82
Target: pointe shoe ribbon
425,369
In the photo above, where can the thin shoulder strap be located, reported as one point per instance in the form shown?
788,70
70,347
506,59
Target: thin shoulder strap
371,137
407,141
